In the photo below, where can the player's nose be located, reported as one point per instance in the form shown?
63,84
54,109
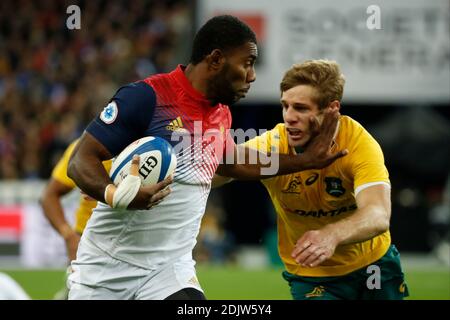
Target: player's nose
251,75
289,115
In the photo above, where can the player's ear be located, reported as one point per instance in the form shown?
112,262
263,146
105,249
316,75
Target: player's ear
215,59
335,104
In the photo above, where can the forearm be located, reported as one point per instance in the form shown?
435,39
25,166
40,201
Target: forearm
219,181
55,215
364,224
51,205
250,164
254,165
92,178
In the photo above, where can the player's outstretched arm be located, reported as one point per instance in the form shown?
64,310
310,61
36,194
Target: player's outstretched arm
250,164
219,181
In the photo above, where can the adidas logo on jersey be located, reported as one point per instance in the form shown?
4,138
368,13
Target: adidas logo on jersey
175,125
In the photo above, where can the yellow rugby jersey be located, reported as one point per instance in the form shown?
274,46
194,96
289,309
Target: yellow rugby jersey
85,207
311,199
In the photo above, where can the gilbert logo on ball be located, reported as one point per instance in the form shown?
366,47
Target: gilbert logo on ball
157,160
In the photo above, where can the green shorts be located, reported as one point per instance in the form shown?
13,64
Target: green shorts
382,280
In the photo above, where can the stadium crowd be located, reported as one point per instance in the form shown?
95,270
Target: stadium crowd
54,80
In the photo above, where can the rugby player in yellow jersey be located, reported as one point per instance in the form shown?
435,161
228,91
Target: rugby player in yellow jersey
333,223
58,186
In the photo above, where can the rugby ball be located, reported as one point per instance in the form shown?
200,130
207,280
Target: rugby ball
157,160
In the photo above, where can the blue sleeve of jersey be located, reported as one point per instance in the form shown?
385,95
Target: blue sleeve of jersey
126,118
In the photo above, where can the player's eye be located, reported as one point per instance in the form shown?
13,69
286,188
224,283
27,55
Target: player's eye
302,109
250,63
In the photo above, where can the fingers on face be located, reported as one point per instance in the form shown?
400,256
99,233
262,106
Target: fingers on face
330,121
340,154
314,126
333,157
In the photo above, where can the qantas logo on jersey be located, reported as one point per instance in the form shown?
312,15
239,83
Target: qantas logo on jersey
109,113
321,213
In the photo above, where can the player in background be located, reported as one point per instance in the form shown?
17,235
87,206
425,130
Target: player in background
132,248
333,223
58,186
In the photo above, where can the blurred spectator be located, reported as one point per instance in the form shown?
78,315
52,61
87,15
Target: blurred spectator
215,244
54,80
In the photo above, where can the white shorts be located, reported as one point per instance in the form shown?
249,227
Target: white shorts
98,276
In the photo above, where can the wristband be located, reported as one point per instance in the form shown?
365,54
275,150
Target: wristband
122,195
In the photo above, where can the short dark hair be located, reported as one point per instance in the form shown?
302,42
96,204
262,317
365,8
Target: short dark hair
221,32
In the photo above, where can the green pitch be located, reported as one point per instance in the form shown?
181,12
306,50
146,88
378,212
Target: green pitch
233,283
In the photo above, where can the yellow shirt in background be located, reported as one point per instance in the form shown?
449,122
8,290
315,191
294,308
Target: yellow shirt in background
85,207
308,200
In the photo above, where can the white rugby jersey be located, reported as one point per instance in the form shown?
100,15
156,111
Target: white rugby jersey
165,105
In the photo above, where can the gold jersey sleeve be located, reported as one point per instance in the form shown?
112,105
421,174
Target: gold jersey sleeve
365,161
59,172
311,199
85,207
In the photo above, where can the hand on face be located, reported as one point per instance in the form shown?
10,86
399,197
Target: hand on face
318,152
324,123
